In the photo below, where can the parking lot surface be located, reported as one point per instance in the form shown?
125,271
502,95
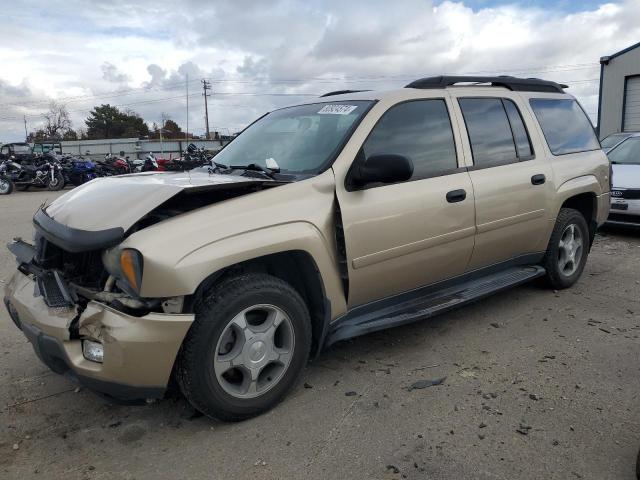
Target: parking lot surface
537,384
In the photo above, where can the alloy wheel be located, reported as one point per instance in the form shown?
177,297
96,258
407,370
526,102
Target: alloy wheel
254,351
570,250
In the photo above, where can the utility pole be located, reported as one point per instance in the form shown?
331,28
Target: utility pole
206,86
26,135
186,135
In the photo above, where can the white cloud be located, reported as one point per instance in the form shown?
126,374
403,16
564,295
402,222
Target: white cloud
90,49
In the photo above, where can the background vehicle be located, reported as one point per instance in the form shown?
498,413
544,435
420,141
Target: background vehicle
614,139
351,213
6,185
43,172
20,151
76,171
46,147
625,190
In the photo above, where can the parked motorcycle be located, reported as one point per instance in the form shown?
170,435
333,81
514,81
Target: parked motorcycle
6,185
45,172
112,165
77,171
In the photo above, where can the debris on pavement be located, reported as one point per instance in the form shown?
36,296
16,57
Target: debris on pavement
420,384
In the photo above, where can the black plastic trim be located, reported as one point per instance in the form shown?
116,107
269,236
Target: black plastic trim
506,81
72,239
353,323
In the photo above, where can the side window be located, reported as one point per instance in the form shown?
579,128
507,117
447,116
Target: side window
496,131
565,125
421,131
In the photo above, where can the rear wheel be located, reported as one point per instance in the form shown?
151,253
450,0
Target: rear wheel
568,248
246,348
6,186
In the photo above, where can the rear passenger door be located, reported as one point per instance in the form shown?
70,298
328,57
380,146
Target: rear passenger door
512,184
405,235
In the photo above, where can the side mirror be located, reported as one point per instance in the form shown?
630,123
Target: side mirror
382,168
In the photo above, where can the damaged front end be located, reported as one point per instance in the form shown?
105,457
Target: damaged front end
75,299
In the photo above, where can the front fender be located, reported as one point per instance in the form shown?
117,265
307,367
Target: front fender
182,277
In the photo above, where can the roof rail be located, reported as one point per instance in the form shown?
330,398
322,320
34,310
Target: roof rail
342,92
512,83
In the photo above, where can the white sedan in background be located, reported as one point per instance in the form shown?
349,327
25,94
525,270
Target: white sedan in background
625,191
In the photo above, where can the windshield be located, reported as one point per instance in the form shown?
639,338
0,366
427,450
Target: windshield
301,139
611,140
628,152
21,149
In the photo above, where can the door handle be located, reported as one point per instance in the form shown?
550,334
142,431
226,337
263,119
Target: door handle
538,179
456,196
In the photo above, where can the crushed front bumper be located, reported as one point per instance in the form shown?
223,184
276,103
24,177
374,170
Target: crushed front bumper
139,352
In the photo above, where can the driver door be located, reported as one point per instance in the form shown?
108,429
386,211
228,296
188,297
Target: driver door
406,235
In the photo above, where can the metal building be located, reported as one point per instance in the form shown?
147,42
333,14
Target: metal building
619,101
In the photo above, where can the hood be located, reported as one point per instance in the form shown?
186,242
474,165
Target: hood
119,202
626,176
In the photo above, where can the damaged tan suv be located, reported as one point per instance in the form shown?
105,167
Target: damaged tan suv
354,212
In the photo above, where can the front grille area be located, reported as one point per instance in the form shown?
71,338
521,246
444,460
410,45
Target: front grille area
84,268
628,194
51,288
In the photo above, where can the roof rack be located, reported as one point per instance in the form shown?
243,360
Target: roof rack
512,83
342,92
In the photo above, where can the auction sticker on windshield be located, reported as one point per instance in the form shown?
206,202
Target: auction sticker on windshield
337,109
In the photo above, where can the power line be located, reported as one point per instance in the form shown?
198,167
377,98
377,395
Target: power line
342,79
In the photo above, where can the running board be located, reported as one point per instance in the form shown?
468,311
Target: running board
426,302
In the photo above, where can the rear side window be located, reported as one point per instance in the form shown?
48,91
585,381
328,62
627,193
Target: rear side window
496,131
565,125
419,130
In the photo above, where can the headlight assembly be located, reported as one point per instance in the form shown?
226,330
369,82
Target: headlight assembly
126,266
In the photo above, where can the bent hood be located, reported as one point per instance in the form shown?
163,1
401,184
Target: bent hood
119,202
626,176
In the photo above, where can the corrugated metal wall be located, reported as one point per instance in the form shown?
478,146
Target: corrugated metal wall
135,148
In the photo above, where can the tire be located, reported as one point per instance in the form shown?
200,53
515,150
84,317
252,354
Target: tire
216,336
57,183
6,186
560,247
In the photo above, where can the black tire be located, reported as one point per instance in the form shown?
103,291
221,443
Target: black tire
195,367
6,186
56,185
555,277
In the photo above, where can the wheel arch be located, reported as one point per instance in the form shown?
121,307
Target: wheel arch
296,267
581,194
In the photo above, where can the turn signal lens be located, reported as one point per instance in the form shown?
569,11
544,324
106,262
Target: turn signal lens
131,267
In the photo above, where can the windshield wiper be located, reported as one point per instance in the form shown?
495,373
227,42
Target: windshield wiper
254,167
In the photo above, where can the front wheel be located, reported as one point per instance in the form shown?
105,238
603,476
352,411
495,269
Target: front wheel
6,186
568,248
56,183
246,349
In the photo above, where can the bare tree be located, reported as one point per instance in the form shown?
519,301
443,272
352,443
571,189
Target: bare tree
57,121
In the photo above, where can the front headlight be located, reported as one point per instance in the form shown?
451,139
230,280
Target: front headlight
126,266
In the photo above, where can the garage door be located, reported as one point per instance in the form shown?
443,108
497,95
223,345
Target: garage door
632,104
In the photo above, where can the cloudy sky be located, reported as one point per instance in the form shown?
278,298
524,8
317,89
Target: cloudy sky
259,55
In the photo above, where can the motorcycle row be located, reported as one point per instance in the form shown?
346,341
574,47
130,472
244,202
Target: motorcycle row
53,171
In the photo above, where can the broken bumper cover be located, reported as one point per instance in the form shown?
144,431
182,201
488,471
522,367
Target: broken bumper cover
139,352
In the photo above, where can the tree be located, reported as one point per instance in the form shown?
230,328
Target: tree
57,121
106,121
170,129
70,135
